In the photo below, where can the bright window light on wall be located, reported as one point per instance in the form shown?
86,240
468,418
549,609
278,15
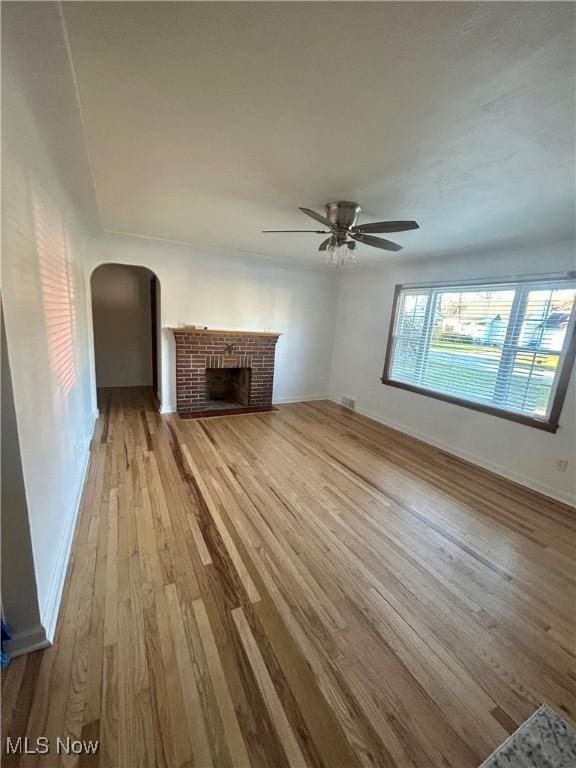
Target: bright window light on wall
505,348
57,283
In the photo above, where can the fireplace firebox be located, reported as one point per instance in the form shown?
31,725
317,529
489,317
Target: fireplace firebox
228,386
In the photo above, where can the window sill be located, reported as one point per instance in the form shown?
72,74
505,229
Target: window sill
519,418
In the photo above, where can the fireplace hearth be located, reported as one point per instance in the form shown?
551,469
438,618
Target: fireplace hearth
221,372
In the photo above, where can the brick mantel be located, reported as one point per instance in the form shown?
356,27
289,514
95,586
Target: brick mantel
198,349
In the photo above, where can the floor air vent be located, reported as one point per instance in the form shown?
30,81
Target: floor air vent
347,402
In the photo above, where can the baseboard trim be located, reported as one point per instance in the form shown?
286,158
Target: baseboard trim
33,639
301,399
498,469
167,409
49,614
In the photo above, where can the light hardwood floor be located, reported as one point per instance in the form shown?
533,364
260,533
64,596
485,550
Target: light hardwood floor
298,588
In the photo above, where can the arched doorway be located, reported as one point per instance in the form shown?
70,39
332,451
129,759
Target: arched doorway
126,324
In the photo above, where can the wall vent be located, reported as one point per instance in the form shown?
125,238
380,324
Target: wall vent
348,402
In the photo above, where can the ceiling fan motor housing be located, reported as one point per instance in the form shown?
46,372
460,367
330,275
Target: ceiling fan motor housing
343,214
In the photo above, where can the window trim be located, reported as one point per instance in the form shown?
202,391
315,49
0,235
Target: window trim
551,424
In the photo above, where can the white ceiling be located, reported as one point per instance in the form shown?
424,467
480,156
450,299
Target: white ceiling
207,122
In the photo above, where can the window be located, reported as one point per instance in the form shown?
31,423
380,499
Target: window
505,348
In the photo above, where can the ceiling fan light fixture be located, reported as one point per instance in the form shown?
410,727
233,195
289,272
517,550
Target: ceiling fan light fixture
341,254
351,259
333,252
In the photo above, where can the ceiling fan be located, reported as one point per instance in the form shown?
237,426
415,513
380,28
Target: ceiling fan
340,220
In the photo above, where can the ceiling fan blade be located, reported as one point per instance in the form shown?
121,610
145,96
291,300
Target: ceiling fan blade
317,216
313,231
325,243
386,226
376,242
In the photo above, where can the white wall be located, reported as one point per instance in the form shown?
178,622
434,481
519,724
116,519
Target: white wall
121,311
19,591
237,292
43,283
520,452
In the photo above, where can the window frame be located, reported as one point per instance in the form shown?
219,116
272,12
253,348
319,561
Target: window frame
568,353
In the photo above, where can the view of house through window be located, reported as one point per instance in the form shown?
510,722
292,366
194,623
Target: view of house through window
498,345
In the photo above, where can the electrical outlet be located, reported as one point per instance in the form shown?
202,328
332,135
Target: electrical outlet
561,465
348,402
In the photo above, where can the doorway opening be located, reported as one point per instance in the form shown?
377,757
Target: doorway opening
126,321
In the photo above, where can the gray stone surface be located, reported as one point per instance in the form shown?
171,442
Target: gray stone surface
545,740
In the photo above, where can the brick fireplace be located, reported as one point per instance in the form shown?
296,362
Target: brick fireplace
223,371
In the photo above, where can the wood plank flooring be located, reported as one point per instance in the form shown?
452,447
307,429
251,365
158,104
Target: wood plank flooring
297,588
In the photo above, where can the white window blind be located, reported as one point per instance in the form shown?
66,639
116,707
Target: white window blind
498,345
